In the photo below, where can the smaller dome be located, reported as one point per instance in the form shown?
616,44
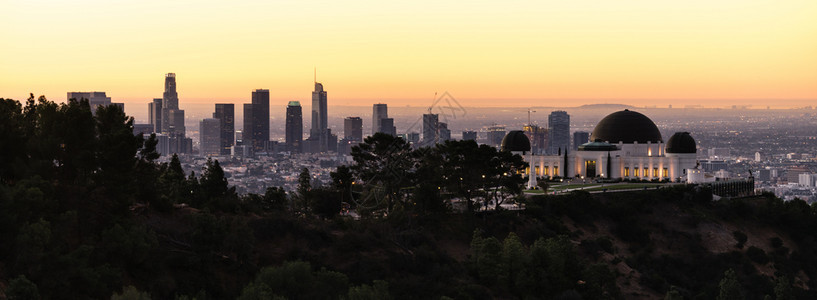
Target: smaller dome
516,140
681,142
598,145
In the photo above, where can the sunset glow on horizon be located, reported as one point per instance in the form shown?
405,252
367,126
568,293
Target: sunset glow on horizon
711,53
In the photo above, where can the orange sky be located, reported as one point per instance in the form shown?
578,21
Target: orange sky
497,53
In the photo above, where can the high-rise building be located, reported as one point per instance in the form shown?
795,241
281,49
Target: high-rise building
379,111
444,132
155,114
538,137
225,113
142,129
579,138
294,127
210,133
353,129
387,126
320,138
431,128
170,101
95,99
559,130
469,135
260,119
495,135
319,113
246,133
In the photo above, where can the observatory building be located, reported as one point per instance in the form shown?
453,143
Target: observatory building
625,145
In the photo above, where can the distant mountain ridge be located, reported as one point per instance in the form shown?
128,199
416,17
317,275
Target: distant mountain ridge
605,106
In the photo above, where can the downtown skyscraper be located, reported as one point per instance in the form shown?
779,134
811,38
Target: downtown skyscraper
225,113
559,131
210,137
431,127
294,127
353,129
155,114
379,112
171,119
170,103
256,121
321,138
319,113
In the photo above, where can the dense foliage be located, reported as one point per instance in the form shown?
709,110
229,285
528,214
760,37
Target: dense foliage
86,211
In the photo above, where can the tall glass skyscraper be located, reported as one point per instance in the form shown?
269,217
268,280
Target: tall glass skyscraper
155,114
210,137
379,111
225,113
559,131
260,119
431,129
170,102
319,114
353,129
294,127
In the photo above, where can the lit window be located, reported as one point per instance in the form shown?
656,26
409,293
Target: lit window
635,172
626,171
666,173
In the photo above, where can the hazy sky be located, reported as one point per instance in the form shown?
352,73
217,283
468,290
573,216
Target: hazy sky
497,53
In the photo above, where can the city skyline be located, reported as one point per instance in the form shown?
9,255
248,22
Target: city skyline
533,53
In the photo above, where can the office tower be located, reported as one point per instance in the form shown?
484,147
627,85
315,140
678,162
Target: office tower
353,129
142,129
379,111
170,101
319,135
538,138
155,114
579,138
225,113
469,136
260,119
331,141
95,99
176,122
246,134
210,133
430,129
294,127
559,127
444,133
319,114
387,126
495,135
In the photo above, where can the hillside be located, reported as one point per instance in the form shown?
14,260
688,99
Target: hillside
652,242
87,212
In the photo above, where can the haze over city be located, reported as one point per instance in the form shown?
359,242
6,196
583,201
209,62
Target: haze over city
527,53
429,149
